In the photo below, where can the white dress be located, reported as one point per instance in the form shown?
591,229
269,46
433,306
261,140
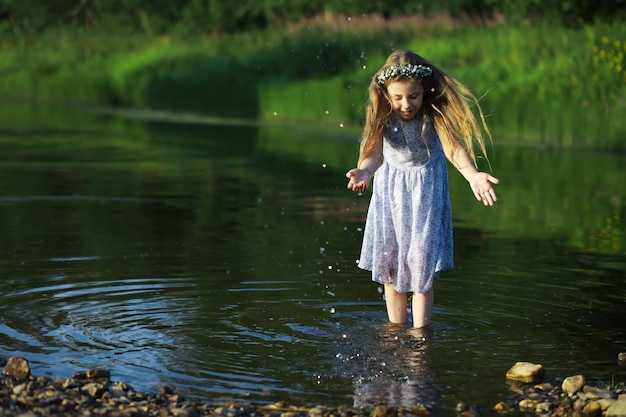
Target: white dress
408,231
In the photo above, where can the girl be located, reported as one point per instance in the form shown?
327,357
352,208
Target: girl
417,116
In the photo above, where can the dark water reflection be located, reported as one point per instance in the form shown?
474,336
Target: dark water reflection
220,260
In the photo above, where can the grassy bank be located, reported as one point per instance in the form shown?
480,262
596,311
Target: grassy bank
541,83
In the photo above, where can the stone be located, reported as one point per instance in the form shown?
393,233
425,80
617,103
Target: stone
546,387
179,412
543,408
221,411
573,384
592,409
527,404
618,409
502,407
467,410
526,372
166,390
17,367
598,393
579,404
314,412
18,389
98,374
382,411
94,389
605,403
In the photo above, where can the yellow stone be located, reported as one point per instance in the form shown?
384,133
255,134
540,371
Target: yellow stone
525,372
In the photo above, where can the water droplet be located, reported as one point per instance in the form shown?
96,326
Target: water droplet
345,336
332,310
330,267
323,165
322,250
275,113
327,112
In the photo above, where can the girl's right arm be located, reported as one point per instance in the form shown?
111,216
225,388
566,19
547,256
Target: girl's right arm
360,177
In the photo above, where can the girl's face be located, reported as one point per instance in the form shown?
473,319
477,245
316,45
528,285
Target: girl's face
406,97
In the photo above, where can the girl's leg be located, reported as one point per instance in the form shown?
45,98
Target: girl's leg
396,304
422,308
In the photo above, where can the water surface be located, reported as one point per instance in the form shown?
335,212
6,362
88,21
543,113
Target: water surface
219,259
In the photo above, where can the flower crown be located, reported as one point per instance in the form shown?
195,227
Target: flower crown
405,70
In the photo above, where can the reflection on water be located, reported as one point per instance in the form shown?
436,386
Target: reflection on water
393,367
221,260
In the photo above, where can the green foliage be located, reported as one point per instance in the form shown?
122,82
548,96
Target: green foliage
225,16
533,92
568,12
542,83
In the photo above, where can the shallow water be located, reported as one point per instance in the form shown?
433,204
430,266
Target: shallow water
219,258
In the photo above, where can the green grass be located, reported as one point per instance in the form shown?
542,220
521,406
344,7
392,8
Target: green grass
541,83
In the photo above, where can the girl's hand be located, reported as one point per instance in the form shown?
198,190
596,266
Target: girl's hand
480,183
359,179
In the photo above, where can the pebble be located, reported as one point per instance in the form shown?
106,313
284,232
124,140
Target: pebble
17,367
592,409
573,383
568,397
92,394
525,372
618,408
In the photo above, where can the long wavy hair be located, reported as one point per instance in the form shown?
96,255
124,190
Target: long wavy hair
453,109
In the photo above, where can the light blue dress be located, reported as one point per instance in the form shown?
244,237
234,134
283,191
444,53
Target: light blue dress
408,231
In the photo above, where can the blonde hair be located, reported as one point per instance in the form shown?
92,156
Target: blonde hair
447,103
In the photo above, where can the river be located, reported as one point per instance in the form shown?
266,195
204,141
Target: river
219,257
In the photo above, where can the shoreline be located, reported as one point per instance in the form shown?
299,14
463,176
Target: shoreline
93,393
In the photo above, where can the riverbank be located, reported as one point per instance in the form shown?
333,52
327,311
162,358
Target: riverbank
92,393
540,82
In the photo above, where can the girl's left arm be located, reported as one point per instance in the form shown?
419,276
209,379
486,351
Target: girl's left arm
480,182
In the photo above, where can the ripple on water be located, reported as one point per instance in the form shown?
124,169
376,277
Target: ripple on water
128,325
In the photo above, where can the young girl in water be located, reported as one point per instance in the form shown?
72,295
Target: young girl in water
417,116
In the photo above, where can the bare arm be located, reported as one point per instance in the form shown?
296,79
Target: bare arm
360,177
479,182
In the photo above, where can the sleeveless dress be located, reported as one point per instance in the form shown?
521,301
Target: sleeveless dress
408,230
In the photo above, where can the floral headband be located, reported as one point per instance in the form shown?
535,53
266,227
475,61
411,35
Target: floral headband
405,70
